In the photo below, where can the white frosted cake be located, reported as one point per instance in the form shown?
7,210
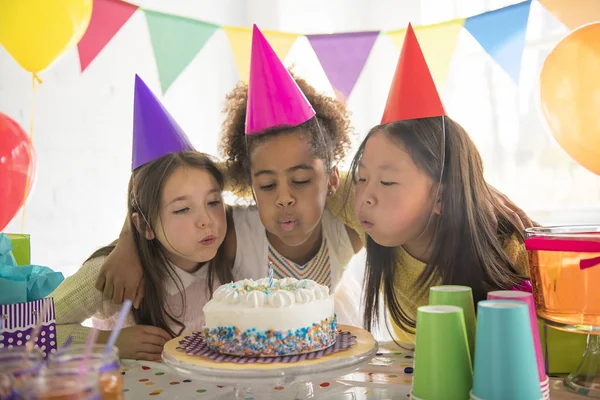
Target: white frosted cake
251,318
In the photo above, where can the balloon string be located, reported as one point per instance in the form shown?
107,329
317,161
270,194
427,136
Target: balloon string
34,78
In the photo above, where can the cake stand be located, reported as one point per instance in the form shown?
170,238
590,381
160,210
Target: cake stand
257,380
566,283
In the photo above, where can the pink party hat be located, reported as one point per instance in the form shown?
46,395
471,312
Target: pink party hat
274,98
155,131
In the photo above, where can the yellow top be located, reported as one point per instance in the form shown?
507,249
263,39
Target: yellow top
341,206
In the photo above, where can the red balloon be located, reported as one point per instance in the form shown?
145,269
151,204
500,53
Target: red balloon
17,166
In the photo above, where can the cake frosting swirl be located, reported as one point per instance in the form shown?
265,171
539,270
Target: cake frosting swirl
253,318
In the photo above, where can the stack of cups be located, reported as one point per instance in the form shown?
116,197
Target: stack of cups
528,299
460,296
505,359
443,369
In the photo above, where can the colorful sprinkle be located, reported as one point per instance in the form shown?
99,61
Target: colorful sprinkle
408,370
278,388
125,369
324,384
398,354
230,340
220,387
408,356
201,391
173,383
145,368
407,381
159,373
122,373
156,392
379,354
149,383
125,390
187,380
144,380
392,376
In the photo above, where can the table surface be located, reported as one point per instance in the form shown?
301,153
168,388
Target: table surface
388,376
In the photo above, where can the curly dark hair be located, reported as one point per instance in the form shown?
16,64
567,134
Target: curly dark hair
332,119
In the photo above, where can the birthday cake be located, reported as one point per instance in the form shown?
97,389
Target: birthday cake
259,319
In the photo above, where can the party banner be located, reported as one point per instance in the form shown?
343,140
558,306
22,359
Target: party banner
108,16
501,33
240,40
343,56
177,40
189,34
437,42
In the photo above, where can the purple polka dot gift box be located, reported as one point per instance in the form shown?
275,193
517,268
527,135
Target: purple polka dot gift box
18,320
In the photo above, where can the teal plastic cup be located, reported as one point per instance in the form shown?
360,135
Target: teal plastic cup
505,359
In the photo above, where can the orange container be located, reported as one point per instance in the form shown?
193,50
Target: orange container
564,267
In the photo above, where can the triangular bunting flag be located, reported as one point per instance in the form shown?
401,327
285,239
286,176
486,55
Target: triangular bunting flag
438,42
108,16
176,41
573,14
501,33
343,56
240,40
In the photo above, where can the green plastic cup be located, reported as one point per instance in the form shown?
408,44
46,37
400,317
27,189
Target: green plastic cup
442,360
505,362
460,296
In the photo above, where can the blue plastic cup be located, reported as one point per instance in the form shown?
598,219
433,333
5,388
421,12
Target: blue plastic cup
505,363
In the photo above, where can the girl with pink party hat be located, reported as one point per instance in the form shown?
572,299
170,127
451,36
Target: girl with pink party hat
178,223
421,197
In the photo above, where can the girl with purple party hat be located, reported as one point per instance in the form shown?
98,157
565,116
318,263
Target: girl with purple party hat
178,223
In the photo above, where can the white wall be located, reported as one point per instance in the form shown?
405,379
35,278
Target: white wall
83,121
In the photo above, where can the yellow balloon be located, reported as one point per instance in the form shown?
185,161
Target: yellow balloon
570,95
36,32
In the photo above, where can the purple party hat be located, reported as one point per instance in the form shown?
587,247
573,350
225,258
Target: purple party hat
155,131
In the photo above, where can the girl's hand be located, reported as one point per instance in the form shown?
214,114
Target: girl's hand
121,274
142,342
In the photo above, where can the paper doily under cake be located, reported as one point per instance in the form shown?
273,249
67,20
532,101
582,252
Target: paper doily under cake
194,345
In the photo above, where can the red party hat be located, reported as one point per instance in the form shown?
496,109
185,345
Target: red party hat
413,93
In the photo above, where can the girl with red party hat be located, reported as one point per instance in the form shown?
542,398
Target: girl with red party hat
178,224
421,198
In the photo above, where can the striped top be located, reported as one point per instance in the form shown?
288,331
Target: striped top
254,252
317,269
327,267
